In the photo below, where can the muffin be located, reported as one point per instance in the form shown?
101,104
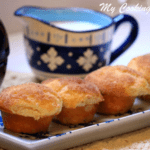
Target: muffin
119,86
80,99
29,108
142,64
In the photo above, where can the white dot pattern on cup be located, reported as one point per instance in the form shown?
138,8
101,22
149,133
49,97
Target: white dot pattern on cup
68,66
39,63
70,54
101,49
38,48
100,64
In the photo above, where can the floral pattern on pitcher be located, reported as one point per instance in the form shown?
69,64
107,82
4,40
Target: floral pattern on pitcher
87,60
52,59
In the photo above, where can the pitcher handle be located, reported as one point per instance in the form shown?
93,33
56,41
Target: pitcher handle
118,20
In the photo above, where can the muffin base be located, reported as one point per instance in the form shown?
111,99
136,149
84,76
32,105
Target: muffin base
113,105
21,124
78,115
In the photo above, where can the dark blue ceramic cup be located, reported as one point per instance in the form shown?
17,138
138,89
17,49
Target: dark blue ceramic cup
54,51
4,51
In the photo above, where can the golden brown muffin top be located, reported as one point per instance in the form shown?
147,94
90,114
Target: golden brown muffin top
30,100
75,91
141,64
119,81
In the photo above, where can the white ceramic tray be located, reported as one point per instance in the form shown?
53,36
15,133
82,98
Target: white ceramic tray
62,137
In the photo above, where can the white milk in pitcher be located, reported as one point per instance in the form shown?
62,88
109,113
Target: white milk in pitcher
78,26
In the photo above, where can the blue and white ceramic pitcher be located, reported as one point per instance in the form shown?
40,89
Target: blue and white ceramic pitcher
54,51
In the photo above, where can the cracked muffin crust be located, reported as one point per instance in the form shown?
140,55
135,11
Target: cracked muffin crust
80,99
30,100
119,86
142,64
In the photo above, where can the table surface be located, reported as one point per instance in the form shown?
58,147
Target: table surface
17,61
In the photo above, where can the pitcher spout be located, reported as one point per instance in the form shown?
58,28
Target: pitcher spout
32,12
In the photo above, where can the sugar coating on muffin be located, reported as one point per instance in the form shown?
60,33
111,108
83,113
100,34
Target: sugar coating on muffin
119,85
141,64
30,100
119,81
74,91
80,99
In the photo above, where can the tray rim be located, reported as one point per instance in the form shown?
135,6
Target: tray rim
56,140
